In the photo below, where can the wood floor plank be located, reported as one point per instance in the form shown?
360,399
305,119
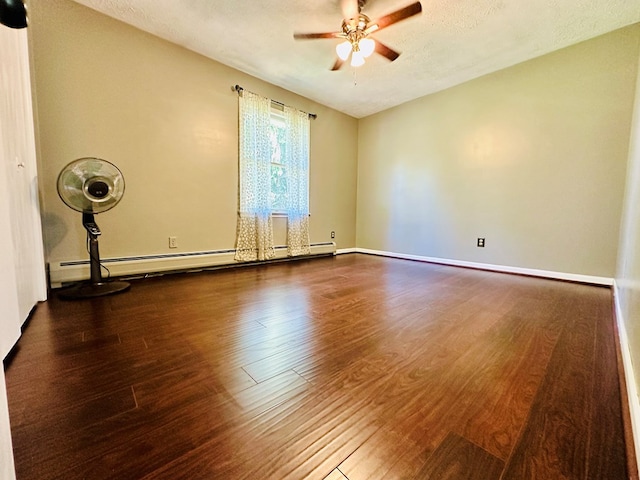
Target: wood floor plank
261,397
434,405
304,438
504,391
458,459
74,454
606,437
555,440
355,366
48,422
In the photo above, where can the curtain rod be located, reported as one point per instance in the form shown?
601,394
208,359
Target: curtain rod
239,89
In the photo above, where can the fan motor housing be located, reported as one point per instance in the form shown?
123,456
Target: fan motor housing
97,188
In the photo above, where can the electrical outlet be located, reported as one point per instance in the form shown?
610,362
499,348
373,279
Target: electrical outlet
173,242
333,234
480,242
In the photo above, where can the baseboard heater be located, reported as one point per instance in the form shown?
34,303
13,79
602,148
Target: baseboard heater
73,271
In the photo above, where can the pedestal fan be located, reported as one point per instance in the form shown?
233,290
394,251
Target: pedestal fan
91,186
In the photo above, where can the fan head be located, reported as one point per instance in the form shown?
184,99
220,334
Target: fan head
90,185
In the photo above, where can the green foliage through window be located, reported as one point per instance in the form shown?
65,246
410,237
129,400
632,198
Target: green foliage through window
277,134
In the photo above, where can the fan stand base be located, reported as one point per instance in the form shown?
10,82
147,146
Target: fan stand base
95,287
91,290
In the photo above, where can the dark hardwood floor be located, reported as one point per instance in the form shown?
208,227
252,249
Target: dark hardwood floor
350,367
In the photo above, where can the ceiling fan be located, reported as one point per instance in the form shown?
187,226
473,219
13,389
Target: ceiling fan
356,28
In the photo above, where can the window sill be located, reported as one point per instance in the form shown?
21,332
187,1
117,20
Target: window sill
280,214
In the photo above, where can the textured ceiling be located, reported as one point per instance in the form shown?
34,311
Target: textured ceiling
452,41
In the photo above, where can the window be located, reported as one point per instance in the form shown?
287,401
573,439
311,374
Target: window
278,138
273,177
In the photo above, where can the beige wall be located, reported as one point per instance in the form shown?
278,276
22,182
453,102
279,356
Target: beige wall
168,118
532,158
628,274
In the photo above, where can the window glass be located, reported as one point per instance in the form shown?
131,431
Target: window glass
277,134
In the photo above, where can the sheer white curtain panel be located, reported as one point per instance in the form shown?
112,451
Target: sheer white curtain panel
255,230
297,171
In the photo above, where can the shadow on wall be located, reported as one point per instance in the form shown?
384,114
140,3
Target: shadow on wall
55,230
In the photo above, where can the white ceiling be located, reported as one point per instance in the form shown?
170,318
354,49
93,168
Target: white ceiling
452,41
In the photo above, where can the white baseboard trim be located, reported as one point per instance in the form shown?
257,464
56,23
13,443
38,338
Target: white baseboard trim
75,270
342,251
632,387
573,277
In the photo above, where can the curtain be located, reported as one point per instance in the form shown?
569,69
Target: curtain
297,172
255,231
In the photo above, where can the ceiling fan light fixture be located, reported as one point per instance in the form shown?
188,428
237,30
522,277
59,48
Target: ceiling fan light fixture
367,46
344,49
357,59
355,31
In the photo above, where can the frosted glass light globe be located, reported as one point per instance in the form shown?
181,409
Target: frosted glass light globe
343,50
357,59
367,46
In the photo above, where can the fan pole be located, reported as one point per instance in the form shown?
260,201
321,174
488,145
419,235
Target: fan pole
90,225
94,253
96,286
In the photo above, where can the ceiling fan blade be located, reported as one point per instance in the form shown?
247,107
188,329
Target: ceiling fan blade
349,9
387,52
337,65
398,15
309,36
